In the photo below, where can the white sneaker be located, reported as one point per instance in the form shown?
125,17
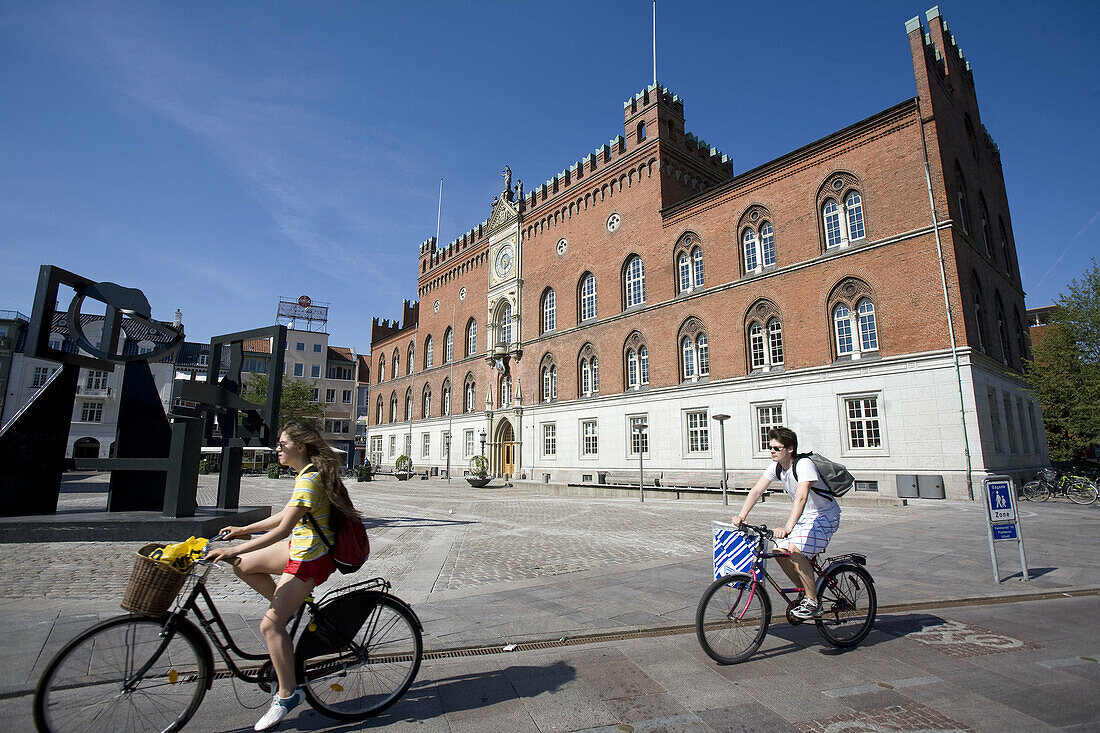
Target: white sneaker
806,610
280,708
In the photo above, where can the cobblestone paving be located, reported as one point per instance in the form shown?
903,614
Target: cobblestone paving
510,536
910,716
957,639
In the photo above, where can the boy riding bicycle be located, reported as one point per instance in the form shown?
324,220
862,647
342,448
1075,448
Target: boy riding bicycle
813,519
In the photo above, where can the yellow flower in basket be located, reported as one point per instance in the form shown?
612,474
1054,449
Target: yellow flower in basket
182,554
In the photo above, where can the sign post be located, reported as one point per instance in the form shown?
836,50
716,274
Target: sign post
1003,521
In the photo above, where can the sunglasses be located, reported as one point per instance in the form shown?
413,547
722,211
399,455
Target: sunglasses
776,448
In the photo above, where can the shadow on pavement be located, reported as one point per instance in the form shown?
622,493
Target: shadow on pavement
372,522
433,699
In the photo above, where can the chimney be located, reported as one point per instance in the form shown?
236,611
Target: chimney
178,320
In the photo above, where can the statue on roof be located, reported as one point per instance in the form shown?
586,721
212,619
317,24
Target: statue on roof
508,193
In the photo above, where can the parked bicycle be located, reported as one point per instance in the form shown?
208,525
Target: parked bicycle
358,654
734,613
1079,489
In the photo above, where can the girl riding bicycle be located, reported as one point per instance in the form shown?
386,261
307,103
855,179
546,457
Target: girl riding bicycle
303,562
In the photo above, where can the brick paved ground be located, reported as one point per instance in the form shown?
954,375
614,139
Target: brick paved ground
497,565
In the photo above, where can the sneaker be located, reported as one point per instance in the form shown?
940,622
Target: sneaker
280,707
807,609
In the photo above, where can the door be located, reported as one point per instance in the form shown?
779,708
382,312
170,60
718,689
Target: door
508,450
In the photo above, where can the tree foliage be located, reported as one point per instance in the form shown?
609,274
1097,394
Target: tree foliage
296,403
1065,372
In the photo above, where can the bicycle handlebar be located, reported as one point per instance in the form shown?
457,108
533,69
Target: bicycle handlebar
758,529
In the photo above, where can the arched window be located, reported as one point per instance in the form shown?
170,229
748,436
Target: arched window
468,397
635,281
830,215
588,297
960,196
633,380
505,392
684,267
471,337
697,266
410,359
445,399
757,355
853,205
767,244
381,369
393,407
408,404
429,349
378,412
448,346
868,329
987,234
842,325
703,354
979,314
643,361
589,369
687,347
775,342
1002,328
426,402
1021,341
504,324
641,131
396,364
1009,270
549,311
748,238
549,383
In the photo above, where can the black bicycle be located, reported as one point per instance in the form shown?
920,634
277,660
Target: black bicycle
358,654
1079,489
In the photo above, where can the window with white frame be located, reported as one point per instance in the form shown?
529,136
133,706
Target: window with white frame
505,392
767,417
757,356
429,349
317,348
549,383
468,400
468,440
758,247
549,439
687,348
396,364
635,282
853,207
446,398
643,363
91,412
588,297
697,267
868,330
425,445
695,356
863,422
315,371
408,445
445,443
590,375
345,396
300,346
393,406
698,431
96,379
330,396
504,325
204,359
410,360
426,406
684,267
638,425
315,395
471,338
299,369
775,342
381,370
448,346
842,326
393,445
549,311
830,215
339,427
752,261
376,448
767,244
590,440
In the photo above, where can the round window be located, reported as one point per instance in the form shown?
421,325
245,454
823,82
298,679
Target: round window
562,245
613,222
436,306
462,294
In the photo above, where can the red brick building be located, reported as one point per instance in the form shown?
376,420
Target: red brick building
862,289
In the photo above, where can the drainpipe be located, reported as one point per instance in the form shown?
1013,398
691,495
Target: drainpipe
947,307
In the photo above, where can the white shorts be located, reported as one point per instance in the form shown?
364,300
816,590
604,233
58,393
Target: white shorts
811,534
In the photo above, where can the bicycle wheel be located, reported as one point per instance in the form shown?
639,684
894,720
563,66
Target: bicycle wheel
352,683
1036,491
123,675
732,618
849,604
1082,491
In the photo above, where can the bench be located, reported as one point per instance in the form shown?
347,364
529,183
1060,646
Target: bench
693,479
629,478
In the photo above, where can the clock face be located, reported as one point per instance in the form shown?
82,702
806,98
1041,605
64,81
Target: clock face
504,261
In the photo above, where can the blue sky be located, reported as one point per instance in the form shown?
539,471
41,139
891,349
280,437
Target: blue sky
221,154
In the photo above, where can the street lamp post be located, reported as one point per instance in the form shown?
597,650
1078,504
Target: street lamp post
482,443
640,428
722,434
447,450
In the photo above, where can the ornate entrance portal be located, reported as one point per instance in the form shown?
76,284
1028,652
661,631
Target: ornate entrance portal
505,449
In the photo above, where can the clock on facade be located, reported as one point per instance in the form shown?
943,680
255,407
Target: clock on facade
504,260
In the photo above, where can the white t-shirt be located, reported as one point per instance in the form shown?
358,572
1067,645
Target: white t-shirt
815,503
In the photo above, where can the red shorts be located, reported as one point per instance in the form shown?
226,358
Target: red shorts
317,569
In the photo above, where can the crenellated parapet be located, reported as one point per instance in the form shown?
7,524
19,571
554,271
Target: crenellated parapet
941,48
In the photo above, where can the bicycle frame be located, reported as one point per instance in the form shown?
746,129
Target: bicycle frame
760,571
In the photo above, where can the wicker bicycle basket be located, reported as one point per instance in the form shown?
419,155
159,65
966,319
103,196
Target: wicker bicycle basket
153,584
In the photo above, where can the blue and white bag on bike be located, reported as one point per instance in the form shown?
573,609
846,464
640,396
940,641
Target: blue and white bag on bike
734,551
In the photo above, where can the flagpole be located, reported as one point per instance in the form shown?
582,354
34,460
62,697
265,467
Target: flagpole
654,42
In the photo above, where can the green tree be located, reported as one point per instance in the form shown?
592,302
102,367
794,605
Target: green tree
1065,372
296,403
